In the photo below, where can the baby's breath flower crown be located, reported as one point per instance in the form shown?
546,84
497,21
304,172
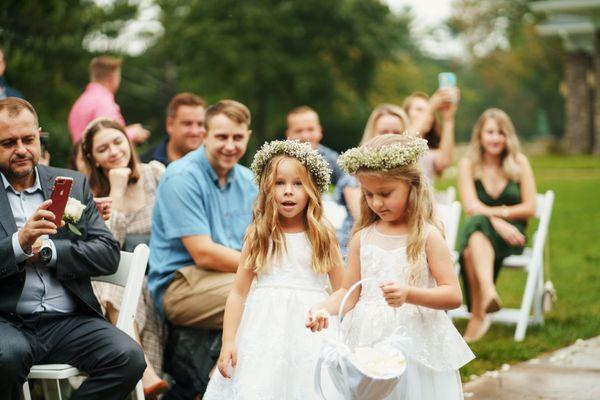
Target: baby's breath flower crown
303,152
384,158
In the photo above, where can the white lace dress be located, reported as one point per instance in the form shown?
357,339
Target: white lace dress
277,354
436,350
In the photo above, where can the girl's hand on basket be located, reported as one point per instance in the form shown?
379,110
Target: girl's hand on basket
394,294
317,319
228,352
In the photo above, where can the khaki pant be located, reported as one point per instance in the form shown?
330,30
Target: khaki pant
196,297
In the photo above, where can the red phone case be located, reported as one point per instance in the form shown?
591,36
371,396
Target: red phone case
60,196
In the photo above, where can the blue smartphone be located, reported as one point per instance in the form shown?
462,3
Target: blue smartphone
447,79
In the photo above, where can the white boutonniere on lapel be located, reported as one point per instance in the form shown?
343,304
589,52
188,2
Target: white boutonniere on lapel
72,215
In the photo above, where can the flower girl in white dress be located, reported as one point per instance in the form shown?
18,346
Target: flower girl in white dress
290,249
398,243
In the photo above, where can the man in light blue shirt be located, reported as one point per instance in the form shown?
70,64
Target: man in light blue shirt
203,207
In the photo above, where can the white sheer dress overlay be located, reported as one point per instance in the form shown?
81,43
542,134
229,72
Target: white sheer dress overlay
277,354
437,349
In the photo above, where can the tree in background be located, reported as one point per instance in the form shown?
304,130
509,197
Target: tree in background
509,66
48,62
341,57
275,55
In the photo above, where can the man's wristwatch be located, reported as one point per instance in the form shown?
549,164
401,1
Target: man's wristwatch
45,253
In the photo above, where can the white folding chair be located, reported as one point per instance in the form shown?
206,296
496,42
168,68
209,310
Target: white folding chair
532,261
129,275
449,215
334,212
445,196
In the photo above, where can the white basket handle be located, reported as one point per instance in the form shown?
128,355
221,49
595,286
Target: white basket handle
343,303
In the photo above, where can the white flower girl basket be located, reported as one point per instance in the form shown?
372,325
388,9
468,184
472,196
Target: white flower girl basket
363,372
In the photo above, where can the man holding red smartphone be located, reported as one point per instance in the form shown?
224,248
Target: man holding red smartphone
48,312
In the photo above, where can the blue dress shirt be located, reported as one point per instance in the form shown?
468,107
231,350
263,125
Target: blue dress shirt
190,201
331,156
42,291
343,233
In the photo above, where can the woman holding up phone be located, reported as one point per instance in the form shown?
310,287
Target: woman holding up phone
421,110
114,171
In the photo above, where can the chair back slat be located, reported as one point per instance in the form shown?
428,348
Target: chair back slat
540,204
120,277
449,215
544,205
130,276
445,196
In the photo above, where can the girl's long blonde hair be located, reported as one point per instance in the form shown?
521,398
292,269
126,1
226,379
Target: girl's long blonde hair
420,207
264,237
512,149
378,112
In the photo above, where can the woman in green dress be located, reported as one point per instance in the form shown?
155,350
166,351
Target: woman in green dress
498,192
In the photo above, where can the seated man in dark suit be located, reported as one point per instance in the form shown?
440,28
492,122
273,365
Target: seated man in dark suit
48,312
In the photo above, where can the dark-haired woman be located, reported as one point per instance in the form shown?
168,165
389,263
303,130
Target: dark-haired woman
114,171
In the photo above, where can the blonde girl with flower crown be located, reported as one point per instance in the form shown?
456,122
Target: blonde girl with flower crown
398,243
290,250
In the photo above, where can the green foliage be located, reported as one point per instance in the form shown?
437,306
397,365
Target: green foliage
341,57
43,41
276,55
510,66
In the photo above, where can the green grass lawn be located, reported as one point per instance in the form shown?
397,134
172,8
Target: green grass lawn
574,268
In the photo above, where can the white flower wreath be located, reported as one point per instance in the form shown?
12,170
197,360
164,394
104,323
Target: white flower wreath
303,152
384,158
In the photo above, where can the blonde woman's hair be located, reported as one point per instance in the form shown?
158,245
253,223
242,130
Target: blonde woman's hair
264,237
380,111
512,149
420,208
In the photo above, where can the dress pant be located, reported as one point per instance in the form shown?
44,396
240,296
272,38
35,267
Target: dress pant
113,361
196,297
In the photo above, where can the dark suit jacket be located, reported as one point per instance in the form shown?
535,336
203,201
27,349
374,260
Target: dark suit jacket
95,252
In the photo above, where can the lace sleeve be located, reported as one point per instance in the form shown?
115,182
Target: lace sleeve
158,170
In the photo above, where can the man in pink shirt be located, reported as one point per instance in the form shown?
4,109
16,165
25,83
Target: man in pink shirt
98,100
